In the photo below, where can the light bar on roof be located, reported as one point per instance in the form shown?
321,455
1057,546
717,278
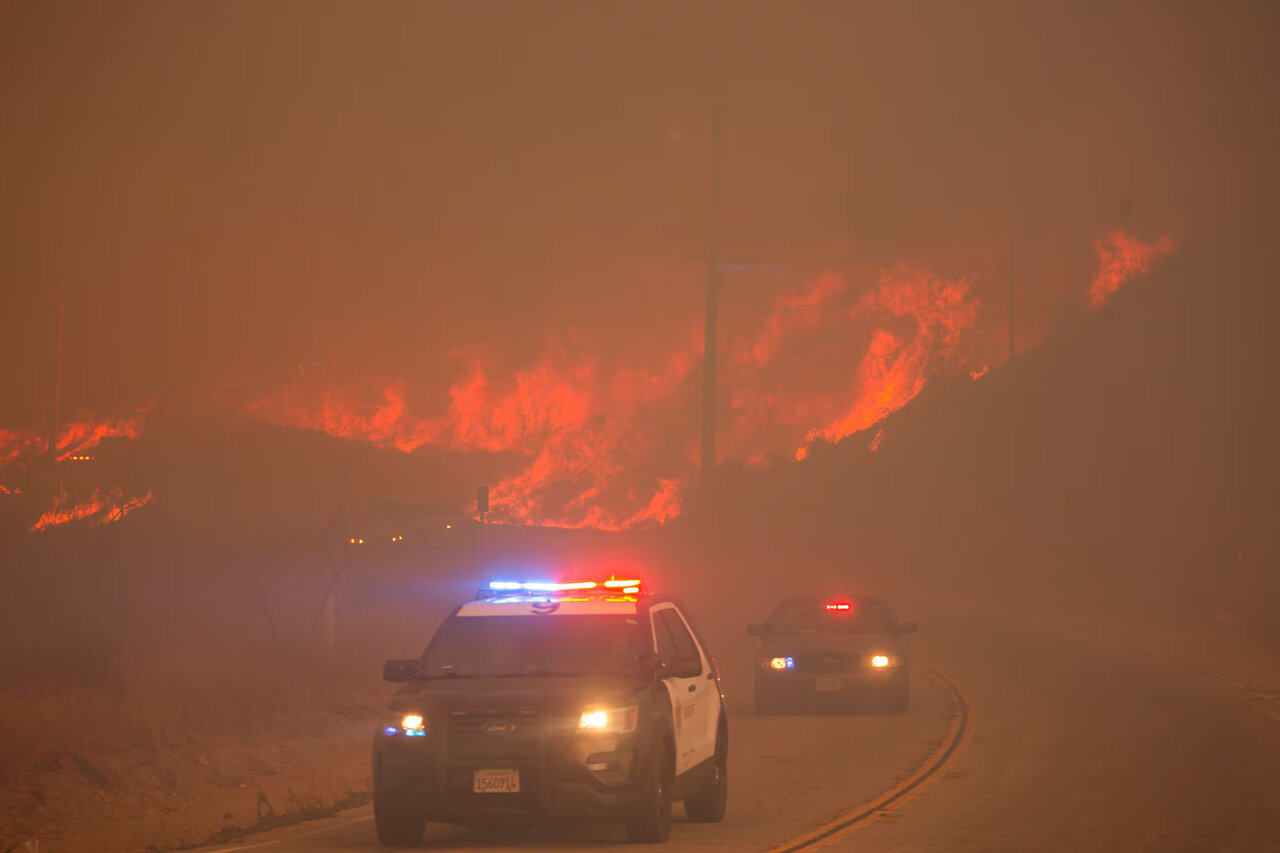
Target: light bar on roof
626,586
539,586
838,605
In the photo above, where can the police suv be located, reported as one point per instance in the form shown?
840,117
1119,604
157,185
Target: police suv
553,703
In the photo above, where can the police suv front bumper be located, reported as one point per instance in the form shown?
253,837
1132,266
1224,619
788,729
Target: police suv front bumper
563,775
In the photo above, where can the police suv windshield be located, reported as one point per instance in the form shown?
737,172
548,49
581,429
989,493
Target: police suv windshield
513,646
794,617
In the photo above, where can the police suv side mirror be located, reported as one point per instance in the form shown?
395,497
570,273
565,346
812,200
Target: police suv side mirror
755,629
401,670
907,628
681,668
650,664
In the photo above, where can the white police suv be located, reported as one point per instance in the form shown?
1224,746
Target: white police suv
552,703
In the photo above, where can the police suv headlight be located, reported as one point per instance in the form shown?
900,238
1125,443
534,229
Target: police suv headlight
409,725
618,721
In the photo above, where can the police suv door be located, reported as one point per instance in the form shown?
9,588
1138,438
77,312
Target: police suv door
695,701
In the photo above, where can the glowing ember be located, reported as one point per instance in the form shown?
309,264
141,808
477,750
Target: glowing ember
875,442
7,490
1122,256
980,372
104,507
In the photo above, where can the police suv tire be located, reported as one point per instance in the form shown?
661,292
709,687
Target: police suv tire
651,822
709,804
398,823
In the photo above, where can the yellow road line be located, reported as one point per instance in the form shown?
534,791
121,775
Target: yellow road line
958,734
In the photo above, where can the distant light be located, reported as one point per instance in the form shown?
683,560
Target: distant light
390,730
448,527
879,661
782,663
838,605
411,721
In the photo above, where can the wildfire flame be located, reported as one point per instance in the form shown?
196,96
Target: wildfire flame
1122,256
894,370
104,507
73,443
75,439
875,442
16,445
604,445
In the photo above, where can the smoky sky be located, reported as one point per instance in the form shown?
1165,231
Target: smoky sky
224,191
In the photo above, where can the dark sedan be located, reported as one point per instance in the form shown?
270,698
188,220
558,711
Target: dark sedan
832,652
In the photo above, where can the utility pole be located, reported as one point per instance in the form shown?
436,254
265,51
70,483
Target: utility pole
57,380
1008,274
710,359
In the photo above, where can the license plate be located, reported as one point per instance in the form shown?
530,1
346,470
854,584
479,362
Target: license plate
826,685
496,782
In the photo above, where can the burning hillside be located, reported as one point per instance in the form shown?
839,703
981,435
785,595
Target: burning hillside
610,445
20,450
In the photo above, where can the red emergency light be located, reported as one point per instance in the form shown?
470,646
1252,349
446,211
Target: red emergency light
839,605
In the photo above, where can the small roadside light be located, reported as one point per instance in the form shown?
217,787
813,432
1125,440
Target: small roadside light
880,661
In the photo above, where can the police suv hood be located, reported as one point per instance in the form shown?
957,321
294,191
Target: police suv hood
863,642
542,694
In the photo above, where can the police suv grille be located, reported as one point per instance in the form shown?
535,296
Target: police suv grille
493,733
827,662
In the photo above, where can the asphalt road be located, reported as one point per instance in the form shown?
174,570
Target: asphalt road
1069,745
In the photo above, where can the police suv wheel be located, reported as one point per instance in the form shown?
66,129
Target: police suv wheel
709,804
651,823
399,823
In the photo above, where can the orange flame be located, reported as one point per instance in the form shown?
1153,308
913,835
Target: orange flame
75,439
102,508
612,447
16,445
893,371
1122,256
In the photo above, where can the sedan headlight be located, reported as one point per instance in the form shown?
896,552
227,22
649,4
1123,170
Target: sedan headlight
618,721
